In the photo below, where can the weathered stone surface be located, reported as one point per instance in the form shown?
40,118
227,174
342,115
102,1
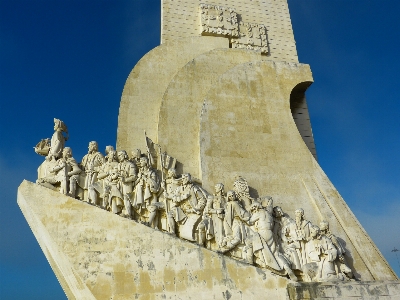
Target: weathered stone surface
222,113
370,290
147,82
247,129
182,19
98,255
184,97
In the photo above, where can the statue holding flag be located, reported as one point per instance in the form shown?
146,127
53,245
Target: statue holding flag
145,201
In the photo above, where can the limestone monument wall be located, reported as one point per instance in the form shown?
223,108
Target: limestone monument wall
213,190
182,18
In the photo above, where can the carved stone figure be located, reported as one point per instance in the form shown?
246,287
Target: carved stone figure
234,226
285,235
245,228
169,185
51,148
171,182
212,224
58,139
267,248
127,171
187,202
146,193
135,158
108,149
114,194
61,173
302,234
102,186
90,166
342,269
321,251
241,189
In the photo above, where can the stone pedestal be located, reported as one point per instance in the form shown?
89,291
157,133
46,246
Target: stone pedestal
366,290
98,255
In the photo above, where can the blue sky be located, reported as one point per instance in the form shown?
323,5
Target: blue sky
70,59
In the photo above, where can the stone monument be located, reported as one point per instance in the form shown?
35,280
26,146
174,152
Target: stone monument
214,190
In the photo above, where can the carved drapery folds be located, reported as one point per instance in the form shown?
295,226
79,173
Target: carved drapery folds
147,189
224,21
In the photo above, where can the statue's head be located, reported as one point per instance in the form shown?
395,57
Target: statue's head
67,152
324,226
108,149
231,196
59,125
186,178
314,231
278,212
240,185
144,162
137,153
299,213
171,173
111,155
93,146
122,156
219,187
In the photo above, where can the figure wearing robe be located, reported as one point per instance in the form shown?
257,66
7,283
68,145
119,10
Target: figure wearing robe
90,166
320,250
127,171
234,227
147,186
102,186
187,199
212,225
266,248
61,172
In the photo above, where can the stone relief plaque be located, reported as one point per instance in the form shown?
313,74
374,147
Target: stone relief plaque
218,20
223,21
251,36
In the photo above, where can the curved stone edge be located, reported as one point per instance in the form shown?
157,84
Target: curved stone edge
147,82
379,268
71,284
98,255
291,163
184,97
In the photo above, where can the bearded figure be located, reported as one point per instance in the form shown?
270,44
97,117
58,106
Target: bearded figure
303,235
90,166
147,186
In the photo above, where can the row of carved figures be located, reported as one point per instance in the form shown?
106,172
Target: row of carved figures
234,223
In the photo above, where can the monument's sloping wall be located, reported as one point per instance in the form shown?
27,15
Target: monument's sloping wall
99,255
222,116
147,82
184,97
247,129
